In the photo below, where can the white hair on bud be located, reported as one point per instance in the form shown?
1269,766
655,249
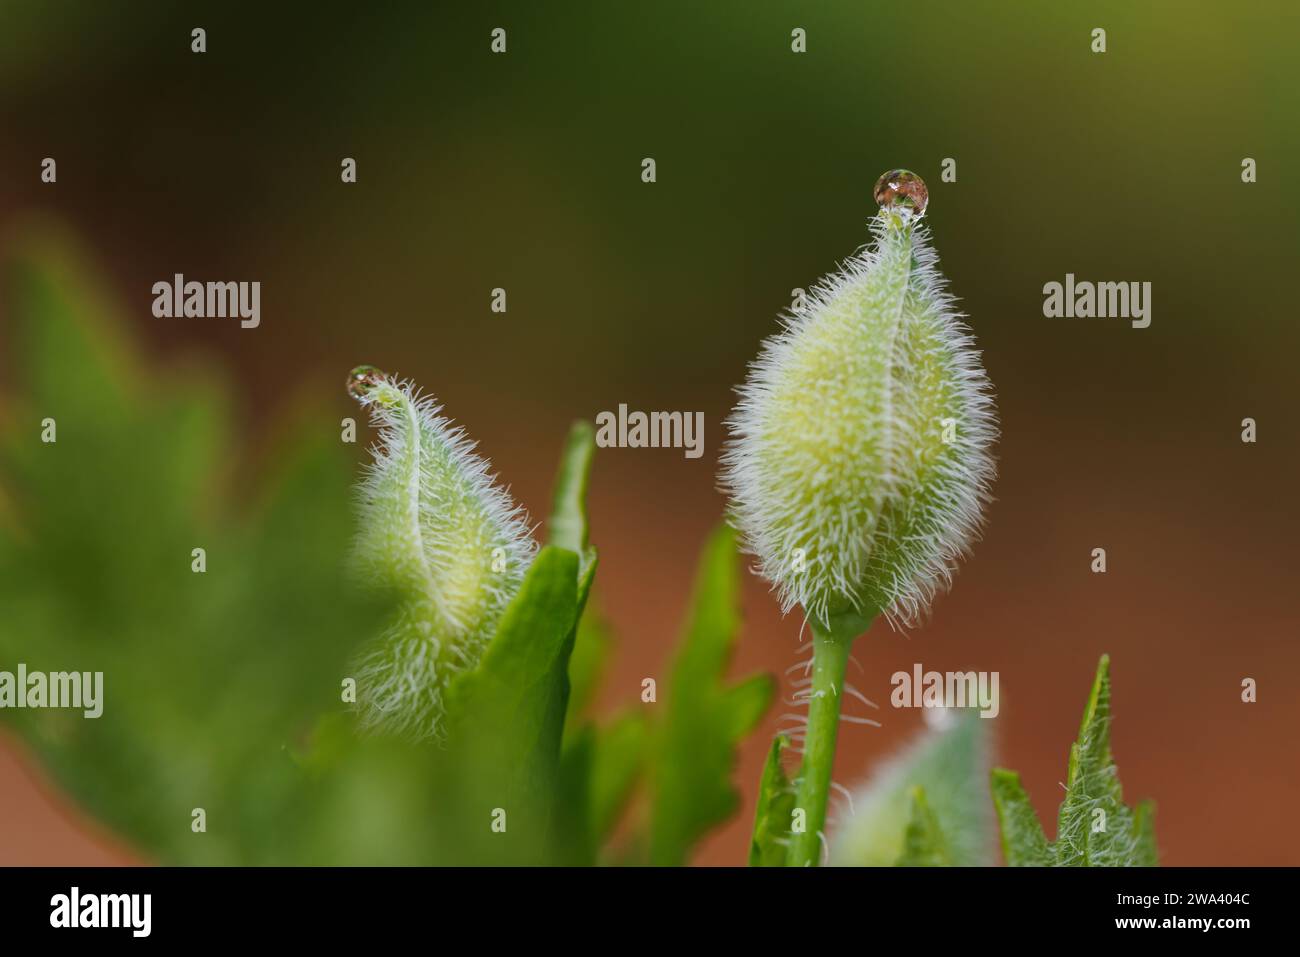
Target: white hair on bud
436,528
840,482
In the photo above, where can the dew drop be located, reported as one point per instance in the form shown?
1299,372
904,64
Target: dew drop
362,381
902,191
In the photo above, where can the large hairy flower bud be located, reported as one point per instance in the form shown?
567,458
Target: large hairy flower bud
859,462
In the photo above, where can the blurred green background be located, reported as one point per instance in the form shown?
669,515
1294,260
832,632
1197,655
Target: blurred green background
522,171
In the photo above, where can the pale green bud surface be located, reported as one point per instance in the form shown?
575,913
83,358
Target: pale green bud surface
859,462
435,529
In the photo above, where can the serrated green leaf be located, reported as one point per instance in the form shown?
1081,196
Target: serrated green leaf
206,676
1094,826
950,763
924,844
695,755
772,816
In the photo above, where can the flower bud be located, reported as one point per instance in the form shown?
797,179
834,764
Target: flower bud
859,460
436,530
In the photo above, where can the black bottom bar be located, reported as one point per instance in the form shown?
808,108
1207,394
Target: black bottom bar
451,907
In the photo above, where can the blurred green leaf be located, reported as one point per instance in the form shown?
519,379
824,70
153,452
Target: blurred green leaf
601,767
948,765
924,844
592,647
206,676
619,756
695,753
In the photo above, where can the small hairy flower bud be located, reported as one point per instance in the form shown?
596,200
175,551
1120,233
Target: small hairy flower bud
859,460
437,530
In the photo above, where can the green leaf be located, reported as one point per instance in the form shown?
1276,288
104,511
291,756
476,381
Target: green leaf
503,764
592,646
924,844
1094,826
695,755
207,676
567,526
776,795
619,758
949,764
600,768
505,688
1023,842
506,716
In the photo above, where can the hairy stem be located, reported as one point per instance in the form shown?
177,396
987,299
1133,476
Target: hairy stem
832,642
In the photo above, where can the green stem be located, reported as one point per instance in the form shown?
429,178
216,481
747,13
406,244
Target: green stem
832,642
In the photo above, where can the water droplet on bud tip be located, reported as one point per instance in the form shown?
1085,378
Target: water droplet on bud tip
902,192
362,381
